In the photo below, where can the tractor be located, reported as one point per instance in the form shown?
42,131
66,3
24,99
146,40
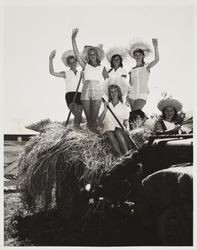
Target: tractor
151,186
155,185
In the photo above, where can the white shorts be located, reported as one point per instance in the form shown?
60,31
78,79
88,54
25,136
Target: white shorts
91,91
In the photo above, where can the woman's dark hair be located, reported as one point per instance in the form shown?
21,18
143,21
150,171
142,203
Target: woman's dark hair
112,65
174,118
70,57
97,59
134,115
139,51
113,86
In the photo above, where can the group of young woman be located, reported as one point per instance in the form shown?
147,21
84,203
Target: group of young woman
116,85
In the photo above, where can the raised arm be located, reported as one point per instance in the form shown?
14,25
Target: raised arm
75,49
159,130
156,51
51,68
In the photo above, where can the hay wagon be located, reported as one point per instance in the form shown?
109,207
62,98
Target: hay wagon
58,164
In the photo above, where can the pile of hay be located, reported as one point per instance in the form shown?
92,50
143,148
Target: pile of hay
58,151
141,134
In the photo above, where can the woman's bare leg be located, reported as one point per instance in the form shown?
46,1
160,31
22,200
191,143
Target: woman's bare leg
86,107
76,110
139,104
113,142
121,140
94,109
131,102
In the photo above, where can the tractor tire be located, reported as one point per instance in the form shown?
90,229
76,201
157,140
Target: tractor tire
174,228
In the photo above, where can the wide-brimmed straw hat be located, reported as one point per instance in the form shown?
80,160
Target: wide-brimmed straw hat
116,51
119,81
135,45
98,48
169,102
65,56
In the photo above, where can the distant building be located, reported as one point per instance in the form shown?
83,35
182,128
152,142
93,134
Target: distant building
15,138
18,137
17,132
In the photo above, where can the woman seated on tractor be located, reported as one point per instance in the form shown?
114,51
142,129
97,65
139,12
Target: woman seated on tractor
167,124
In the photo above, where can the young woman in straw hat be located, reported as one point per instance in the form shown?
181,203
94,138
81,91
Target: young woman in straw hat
167,123
139,75
109,125
115,56
94,73
71,77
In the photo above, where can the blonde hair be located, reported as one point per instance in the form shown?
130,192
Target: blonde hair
97,59
114,86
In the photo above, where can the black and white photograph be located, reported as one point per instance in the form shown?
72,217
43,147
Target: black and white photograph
97,136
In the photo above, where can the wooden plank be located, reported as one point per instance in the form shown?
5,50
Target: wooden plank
12,168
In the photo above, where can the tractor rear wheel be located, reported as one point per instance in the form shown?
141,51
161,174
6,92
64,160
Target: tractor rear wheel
173,227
